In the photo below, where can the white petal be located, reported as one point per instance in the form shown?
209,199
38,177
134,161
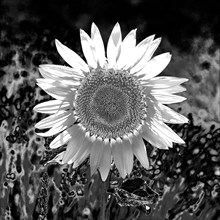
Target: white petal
82,153
170,90
159,111
139,150
163,82
117,152
88,49
152,110
96,152
105,162
98,44
151,135
58,92
58,72
139,53
46,84
71,57
51,107
127,48
155,66
81,159
62,138
113,46
68,84
150,131
127,156
168,132
168,98
52,120
74,144
170,116
58,127
151,49
45,81
147,56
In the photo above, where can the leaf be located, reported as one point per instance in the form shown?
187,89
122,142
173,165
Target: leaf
125,198
135,192
131,185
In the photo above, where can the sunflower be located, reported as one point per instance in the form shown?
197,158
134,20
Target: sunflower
103,109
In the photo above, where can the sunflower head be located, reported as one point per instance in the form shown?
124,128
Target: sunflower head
104,108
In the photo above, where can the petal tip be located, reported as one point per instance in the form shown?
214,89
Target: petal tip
93,28
117,25
185,80
103,175
35,109
41,66
57,42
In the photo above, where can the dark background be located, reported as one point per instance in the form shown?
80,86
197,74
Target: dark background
187,178
179,20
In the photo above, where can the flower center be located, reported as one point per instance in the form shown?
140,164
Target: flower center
110,104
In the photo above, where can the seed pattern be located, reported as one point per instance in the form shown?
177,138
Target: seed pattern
110,104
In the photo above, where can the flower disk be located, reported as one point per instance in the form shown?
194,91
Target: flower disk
110,104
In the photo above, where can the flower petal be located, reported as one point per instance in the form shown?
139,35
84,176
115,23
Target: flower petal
117,152
73,59
58,72
150,134
74,144
150,131
98,45
81,159
58,127
68,84
127,48
147,56
88,49
113,46
58,93
96,152
52,120
82,153
168,98
163,82
139,52
161,112
155,66
170,90
62,138
128,156
52,107
170,116
105,162
139,150
167,131
45,85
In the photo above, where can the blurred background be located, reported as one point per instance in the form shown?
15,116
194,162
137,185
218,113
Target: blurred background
186,177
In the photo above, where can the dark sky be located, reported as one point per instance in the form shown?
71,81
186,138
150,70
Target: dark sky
180,21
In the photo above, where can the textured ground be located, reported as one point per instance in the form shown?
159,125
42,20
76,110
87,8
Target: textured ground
183,183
